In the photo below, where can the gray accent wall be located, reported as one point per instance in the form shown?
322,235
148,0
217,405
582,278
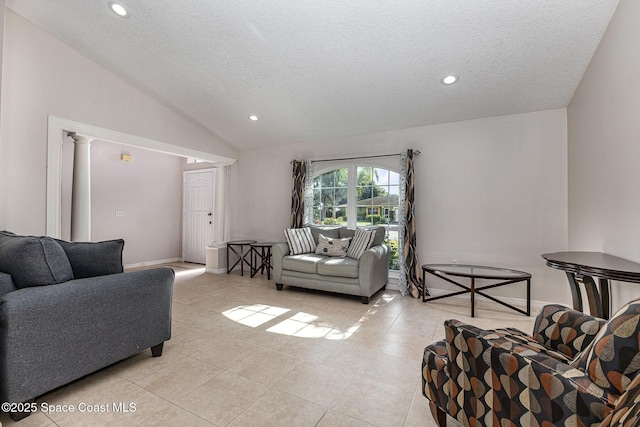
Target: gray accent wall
604,148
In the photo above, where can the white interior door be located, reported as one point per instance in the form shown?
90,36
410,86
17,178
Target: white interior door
197,215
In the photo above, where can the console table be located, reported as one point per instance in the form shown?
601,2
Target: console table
583,267
505,276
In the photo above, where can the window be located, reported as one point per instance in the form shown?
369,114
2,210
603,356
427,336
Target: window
359,196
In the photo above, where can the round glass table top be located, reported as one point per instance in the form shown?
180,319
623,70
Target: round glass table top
476,271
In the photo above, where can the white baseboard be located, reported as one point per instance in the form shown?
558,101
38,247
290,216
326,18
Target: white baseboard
216,270
148,263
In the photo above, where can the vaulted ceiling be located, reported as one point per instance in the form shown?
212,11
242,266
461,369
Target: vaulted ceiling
315,69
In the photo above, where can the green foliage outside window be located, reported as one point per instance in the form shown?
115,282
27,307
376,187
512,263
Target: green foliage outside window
394,260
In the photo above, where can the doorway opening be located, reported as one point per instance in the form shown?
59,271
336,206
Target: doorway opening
58,130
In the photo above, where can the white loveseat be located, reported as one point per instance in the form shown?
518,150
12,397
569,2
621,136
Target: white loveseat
361,277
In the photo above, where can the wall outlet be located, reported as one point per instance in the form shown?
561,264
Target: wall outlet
454,261
119,213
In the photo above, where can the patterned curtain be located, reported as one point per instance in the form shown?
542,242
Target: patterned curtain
410,270
298,193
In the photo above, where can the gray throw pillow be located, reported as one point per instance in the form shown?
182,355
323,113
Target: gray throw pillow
332,247
33,261
300,240
362,240
90,259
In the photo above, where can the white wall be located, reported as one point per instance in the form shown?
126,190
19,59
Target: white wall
489,191
149,191
41,77
604,148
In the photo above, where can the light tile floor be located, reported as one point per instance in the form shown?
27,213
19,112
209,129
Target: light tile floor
244,354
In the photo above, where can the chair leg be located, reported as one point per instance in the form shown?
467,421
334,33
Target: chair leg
442,418
365,300
439,415
156,350
279,286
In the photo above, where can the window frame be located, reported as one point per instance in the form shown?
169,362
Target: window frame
352,184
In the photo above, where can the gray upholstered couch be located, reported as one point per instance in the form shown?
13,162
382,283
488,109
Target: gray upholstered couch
363,277
67,310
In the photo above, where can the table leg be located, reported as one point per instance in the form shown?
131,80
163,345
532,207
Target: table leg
229,265
473,297
528,297
269,263
605,291
243,259
593,296
253,256
575,291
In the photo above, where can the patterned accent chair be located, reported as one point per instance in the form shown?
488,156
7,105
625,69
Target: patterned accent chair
575,370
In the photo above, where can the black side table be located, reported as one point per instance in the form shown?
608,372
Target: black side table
261,253
241,253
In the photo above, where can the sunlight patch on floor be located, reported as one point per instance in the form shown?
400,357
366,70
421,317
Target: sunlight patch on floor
300,324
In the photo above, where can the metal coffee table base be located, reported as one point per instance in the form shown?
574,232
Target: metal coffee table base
473,272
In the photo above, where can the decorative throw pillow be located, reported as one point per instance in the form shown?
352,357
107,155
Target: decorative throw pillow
300,240
362,240
33,261
332,247
90,259
614,357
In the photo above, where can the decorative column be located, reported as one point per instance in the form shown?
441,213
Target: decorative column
81,190
219,204
217,251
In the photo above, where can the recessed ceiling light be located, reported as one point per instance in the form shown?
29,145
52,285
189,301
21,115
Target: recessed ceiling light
118,9
449,80
254,118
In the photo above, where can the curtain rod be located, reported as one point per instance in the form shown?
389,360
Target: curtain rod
415,152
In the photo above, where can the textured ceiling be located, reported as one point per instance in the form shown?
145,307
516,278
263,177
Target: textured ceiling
313,69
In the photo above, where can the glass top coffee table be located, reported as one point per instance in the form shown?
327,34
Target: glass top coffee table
504,276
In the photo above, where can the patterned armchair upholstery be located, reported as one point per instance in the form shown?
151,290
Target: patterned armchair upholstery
574,370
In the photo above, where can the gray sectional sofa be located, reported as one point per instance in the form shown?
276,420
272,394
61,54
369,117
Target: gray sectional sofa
361,277
68,309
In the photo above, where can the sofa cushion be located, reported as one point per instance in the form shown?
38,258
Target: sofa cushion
341,267
300,240
90,259
33,261
613,359
304,263
326,230
362,240
332,247
380,233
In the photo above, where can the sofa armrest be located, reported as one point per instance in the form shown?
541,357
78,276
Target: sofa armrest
566,330
278,251
503,379
373,269
6,283
51,335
